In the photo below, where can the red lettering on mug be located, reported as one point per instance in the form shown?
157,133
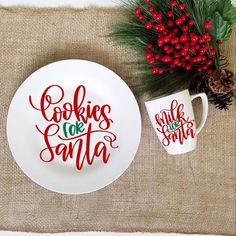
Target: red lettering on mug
174,124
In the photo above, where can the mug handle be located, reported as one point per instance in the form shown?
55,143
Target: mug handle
204,99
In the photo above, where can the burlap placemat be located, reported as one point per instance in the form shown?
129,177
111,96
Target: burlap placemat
193,193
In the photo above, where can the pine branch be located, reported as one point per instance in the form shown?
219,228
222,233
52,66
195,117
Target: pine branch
131,32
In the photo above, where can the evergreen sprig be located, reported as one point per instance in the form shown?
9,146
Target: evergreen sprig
131,32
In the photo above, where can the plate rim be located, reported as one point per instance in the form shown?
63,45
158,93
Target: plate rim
139,118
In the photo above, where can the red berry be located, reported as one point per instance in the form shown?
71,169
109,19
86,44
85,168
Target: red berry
161,28
208,25
170,14
148,54
173,3
187,14
199,69
209,62
187,57
198,58
147,1
208,37
154,14
194,38
175,30
191,22
205,36
210,71
161,71
138,11
151,9
166,48
202,51
201,40
174,40
156,27
185,48
194,60
157,56
203,58
155,70
170,23
178,46
188,67
166,39
172,34
172,65
183,18
151,61
212,53
183,38
176,54
193,49
169,51
160,41
171,71
182,59
158,17
148,25
170,59
197,47
140,17
184,28
180,64
164,59
178,21
205,67
149,46
176,61
181,7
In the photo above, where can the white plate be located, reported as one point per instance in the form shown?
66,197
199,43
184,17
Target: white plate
40,131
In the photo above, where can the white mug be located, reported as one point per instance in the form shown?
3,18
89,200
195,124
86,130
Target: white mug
173,120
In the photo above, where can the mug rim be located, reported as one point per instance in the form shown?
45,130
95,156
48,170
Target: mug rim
155,99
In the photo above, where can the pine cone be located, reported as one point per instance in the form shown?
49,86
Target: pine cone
221,81
222,101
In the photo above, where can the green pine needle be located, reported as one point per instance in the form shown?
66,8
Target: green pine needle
133,34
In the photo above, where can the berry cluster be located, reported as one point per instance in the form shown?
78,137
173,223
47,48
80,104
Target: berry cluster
176,43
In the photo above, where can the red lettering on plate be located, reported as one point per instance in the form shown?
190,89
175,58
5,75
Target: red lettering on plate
84,144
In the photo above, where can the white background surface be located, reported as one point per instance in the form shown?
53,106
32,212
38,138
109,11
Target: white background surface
4,233
57,3
79,4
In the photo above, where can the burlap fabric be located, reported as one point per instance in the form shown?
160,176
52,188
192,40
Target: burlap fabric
192,193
